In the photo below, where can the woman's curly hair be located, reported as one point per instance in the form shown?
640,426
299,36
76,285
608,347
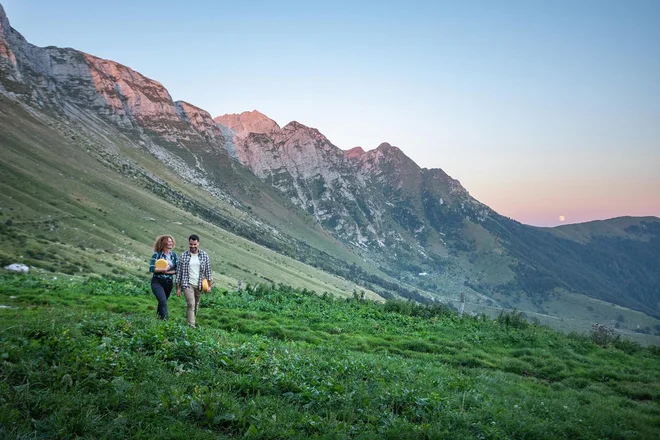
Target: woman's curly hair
161,242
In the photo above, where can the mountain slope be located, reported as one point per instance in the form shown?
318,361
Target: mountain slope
410,220
171,149
101,148
96,219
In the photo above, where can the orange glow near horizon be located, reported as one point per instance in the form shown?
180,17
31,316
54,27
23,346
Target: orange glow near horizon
543,205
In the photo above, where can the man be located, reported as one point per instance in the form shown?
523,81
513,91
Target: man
194,266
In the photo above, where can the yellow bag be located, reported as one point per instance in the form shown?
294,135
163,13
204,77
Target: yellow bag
205,285
161,263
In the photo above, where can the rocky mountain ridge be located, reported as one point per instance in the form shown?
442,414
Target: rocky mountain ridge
56,78
350,193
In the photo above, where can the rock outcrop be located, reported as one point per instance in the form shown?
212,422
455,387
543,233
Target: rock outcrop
61,77
245,123
8,63
354,152
312,172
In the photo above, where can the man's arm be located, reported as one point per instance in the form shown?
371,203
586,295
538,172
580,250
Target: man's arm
209,278
179,274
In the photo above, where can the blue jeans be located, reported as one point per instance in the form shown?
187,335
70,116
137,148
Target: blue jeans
162,287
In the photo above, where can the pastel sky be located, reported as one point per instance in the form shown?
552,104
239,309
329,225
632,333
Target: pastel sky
540,108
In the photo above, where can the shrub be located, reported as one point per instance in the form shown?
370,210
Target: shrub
399,306
515,319
411,308
626,345
602,335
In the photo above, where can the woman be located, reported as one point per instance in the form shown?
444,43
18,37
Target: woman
163,279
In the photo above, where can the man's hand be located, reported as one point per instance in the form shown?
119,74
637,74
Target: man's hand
178,292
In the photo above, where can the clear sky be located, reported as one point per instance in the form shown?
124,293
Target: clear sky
540,108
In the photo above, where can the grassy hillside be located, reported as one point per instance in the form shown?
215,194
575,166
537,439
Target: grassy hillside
615,227
88,359
82,188
66,206
608,267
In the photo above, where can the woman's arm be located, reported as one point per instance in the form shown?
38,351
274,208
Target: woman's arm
152,263
154,269
172,268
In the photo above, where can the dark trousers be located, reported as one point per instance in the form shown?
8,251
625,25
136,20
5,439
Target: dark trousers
162,287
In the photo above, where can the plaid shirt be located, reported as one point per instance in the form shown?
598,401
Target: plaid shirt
158,255
183,269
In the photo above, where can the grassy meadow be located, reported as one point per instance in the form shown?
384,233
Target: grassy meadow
87,358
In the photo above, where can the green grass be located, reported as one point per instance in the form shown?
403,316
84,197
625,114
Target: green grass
88,359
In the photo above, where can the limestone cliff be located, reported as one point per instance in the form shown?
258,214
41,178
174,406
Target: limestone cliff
60,77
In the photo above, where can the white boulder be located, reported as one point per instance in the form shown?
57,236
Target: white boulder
17,267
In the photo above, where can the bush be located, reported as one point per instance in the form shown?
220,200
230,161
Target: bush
399,306
602,335
411,308
515,319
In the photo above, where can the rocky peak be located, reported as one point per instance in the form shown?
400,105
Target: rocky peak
248,122
385,149
295,131
295,126
61,77
199,119
385,158
192,112
129,92
7,57
354,153
4,21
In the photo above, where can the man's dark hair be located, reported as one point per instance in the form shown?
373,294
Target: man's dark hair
193,237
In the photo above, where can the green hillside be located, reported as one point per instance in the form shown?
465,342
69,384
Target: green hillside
621,268
65,207
88,359
622,227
